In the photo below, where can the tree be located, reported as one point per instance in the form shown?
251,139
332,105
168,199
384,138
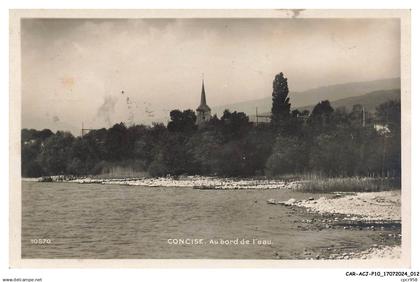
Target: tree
173,157
203,149
182,121
280,109
157,168
388,114
233,159
44,134
117,142
321,114
258,144
30,163
234,125
56,153
335,154
289,156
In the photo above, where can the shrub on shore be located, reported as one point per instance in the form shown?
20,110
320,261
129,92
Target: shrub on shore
317,184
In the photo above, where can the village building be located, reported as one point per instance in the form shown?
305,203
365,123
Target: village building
203,110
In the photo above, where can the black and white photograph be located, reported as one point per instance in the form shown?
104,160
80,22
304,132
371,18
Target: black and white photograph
268,137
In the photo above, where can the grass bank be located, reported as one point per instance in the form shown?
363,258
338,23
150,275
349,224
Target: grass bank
318,184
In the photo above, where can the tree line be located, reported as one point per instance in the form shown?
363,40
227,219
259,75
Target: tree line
325,141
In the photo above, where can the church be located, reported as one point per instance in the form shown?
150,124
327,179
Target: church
203,110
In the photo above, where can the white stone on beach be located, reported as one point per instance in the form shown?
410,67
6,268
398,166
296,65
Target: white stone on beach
291,201
272,201
200,182
384,205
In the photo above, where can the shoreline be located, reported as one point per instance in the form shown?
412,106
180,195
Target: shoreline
194,182
379,212
367,206
301,183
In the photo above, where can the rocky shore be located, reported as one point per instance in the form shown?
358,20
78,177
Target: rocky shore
196,182
382,206
378,213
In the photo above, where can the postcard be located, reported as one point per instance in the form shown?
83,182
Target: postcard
216,138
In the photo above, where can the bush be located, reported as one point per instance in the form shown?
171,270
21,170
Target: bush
157,168
288,156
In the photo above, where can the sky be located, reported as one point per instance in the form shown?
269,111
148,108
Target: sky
102,71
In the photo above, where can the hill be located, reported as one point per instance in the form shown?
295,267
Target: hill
370,100
312,96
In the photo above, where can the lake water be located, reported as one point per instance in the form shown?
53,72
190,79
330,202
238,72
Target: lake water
115,221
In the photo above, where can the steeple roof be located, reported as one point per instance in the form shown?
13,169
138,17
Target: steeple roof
203,104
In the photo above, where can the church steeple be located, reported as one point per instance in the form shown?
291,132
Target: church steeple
203,110
203,107
203,93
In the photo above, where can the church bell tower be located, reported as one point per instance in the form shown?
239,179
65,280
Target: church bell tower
203,110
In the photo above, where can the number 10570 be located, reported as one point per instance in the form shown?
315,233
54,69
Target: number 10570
41,241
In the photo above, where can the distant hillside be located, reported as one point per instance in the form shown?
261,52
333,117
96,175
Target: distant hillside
370,100
313,96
